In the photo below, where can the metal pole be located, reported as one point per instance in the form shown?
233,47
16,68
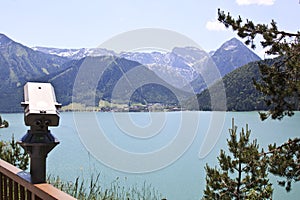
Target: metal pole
38,146
38,164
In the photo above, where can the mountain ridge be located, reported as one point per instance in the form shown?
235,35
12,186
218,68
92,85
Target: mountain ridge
20,64
112,69
241,94
182,66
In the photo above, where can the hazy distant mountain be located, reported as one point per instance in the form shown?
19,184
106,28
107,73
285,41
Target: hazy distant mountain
231,55
241,94
110,70
178,67
74,54
174,67
182,66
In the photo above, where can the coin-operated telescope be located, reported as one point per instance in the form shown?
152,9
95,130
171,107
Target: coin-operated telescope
40,112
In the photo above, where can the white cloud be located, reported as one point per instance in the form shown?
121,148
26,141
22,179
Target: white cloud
215,26
258,2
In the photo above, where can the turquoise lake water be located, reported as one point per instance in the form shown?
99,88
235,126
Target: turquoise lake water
167,150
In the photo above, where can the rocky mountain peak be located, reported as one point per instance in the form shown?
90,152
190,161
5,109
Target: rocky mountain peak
4,40
233,54
232,44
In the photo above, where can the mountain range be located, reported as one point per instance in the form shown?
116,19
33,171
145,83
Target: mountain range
170,72
180,67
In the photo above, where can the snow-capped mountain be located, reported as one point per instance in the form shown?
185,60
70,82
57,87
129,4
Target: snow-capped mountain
233,54
75,54
176,67
180,67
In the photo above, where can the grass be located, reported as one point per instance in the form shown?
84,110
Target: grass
93,189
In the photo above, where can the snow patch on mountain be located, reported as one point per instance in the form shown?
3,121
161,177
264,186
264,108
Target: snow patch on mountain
230,47
75,54
179,67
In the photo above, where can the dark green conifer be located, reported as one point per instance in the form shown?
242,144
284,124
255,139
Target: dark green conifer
284,162
241,175
280,82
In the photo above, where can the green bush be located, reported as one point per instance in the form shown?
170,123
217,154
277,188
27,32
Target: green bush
11,152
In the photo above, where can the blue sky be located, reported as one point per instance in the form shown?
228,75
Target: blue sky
78,23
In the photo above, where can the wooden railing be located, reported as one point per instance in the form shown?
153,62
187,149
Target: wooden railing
14,187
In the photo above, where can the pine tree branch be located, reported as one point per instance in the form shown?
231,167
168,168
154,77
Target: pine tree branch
279,148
